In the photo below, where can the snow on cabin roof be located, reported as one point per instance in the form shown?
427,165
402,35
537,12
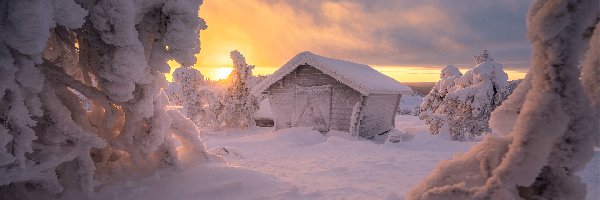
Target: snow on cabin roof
362,78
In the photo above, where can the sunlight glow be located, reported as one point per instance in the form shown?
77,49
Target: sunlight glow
174,65
430,74
268,50
221,73
211,73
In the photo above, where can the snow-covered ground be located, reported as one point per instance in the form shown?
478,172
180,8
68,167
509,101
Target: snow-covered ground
299,163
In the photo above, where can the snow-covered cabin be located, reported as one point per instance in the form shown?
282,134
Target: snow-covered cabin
326,93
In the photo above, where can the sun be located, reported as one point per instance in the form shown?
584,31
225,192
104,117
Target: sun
221,73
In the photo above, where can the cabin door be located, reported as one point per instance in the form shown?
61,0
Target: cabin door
312,107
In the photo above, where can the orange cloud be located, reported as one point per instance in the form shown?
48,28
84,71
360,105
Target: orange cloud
269,33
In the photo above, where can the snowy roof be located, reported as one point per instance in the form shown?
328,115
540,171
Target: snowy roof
362,78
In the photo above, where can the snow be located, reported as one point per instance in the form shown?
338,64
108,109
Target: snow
362,78
300,163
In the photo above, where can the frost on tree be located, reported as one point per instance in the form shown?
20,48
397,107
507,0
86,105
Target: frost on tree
458,107
546,127
474,97
432,109
114,53
198,103
239,105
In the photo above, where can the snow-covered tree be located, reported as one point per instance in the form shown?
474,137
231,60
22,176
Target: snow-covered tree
473,98
459,106
212,110
239,105
508,89
199,103
188,82
545,128
432,110
483,57
114,53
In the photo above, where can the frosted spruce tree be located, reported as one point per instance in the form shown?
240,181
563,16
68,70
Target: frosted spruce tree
186,91
239,105
546,127
473,98
199,104
432,110
114,53
458,106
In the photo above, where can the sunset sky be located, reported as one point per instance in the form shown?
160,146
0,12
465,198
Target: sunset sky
407,40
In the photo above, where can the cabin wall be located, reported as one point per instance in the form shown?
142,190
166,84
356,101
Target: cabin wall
378,114
281,96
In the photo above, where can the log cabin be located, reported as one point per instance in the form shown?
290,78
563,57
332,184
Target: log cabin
326,93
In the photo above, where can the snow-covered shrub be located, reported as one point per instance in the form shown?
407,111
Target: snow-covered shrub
238,104
546,127
460,106
432,110
114,53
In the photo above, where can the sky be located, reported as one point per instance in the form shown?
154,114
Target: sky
409,40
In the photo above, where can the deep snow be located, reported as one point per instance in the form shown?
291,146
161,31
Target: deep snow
299,163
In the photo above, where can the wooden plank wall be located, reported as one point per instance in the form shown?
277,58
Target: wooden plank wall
378,114
281,95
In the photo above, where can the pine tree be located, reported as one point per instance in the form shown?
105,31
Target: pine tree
459,106
473,98
189,82
239,105
433,110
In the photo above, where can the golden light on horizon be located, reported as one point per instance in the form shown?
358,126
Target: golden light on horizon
221,73
208,72
430,74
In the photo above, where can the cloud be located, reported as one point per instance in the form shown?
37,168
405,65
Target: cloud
376,32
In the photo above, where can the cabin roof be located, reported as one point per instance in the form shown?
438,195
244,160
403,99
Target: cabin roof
359,77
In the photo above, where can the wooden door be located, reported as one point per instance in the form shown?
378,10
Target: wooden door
312,107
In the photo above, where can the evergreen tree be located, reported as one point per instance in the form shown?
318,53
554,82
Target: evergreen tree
239,105
459,106
432,110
